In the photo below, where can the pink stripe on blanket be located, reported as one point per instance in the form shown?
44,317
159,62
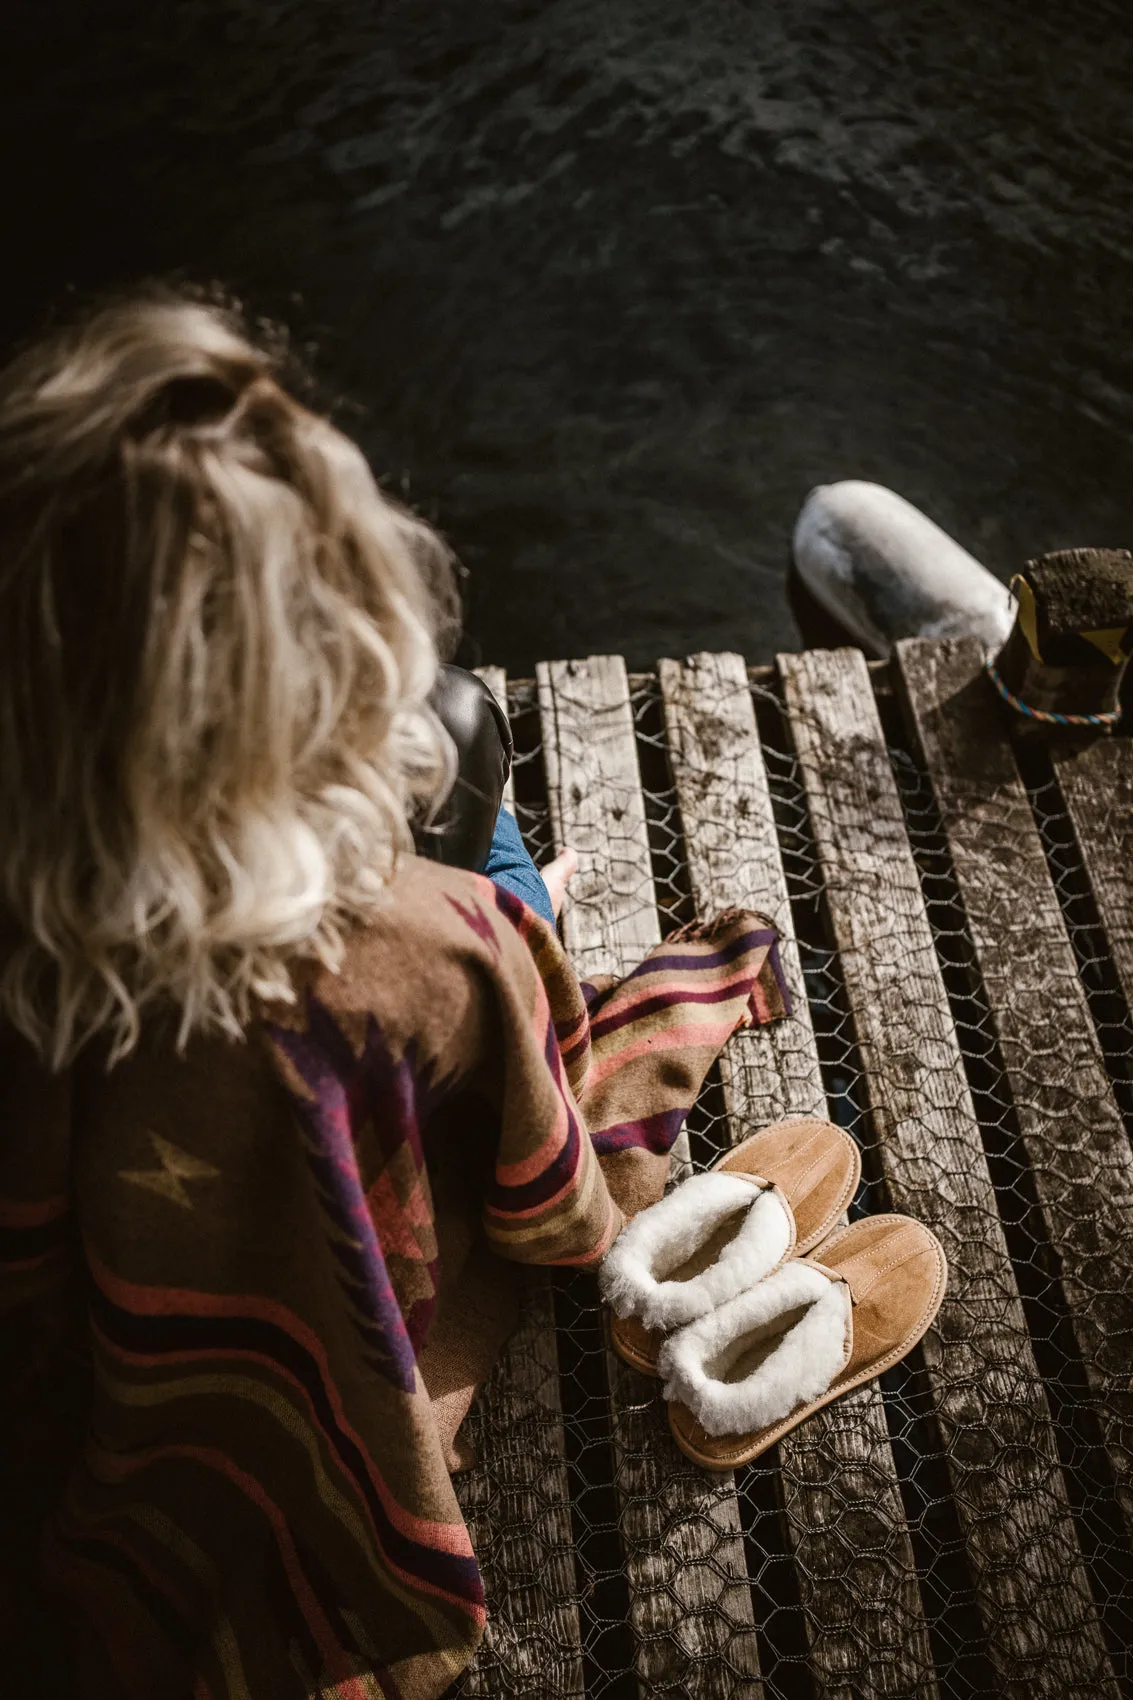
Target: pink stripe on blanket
699,1036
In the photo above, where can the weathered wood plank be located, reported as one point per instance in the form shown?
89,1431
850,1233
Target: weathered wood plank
856,1574
1096,782
515,1497
1068,1118
610,915
496,680
733,858
590,756
1038,1616
690,1599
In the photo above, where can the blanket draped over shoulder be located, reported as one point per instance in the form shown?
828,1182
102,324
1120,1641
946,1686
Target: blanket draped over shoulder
247,1290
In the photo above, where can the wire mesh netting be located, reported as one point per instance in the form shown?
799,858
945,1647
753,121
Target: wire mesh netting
857,1557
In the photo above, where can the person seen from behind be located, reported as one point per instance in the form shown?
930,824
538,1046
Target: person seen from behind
294,1070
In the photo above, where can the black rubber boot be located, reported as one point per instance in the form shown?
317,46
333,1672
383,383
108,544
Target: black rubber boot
461,835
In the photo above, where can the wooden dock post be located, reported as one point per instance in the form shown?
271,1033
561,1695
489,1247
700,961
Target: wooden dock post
1065,657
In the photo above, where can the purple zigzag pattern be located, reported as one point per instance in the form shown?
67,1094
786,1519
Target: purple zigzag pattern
345,1089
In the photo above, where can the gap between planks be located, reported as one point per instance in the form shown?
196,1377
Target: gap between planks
690,1602
842,1501
1039,1619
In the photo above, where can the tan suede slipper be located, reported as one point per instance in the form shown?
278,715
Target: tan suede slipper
741,1377
775,1195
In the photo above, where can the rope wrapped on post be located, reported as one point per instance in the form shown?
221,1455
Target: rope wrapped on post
1104,722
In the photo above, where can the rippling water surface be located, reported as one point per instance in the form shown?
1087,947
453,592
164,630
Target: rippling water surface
615,282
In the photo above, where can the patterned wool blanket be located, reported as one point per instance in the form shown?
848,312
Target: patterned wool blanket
246,1292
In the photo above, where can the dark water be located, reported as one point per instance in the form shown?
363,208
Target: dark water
616,281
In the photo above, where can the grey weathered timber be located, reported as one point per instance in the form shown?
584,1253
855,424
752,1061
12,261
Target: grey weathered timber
496,680
841,1497
689,1597
734,859
594,786
610,914
1066,1112
1034,1599
1096,782
522,1537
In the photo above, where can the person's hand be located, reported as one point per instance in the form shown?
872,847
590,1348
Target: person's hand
555,877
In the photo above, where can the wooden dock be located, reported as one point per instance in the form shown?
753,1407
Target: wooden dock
958,927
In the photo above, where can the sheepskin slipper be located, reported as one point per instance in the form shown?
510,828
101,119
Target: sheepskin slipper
744,1375
710,1238
777,1193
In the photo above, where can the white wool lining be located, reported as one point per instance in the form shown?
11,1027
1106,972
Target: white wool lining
633,1276
801,1366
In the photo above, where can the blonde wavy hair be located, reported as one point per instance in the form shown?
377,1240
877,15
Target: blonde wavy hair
217,638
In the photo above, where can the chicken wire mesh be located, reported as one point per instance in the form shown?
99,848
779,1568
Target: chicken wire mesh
841,1562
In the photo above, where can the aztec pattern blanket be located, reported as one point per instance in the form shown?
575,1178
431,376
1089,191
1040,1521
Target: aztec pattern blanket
246,1292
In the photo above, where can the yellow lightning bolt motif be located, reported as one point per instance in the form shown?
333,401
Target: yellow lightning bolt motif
176,1167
